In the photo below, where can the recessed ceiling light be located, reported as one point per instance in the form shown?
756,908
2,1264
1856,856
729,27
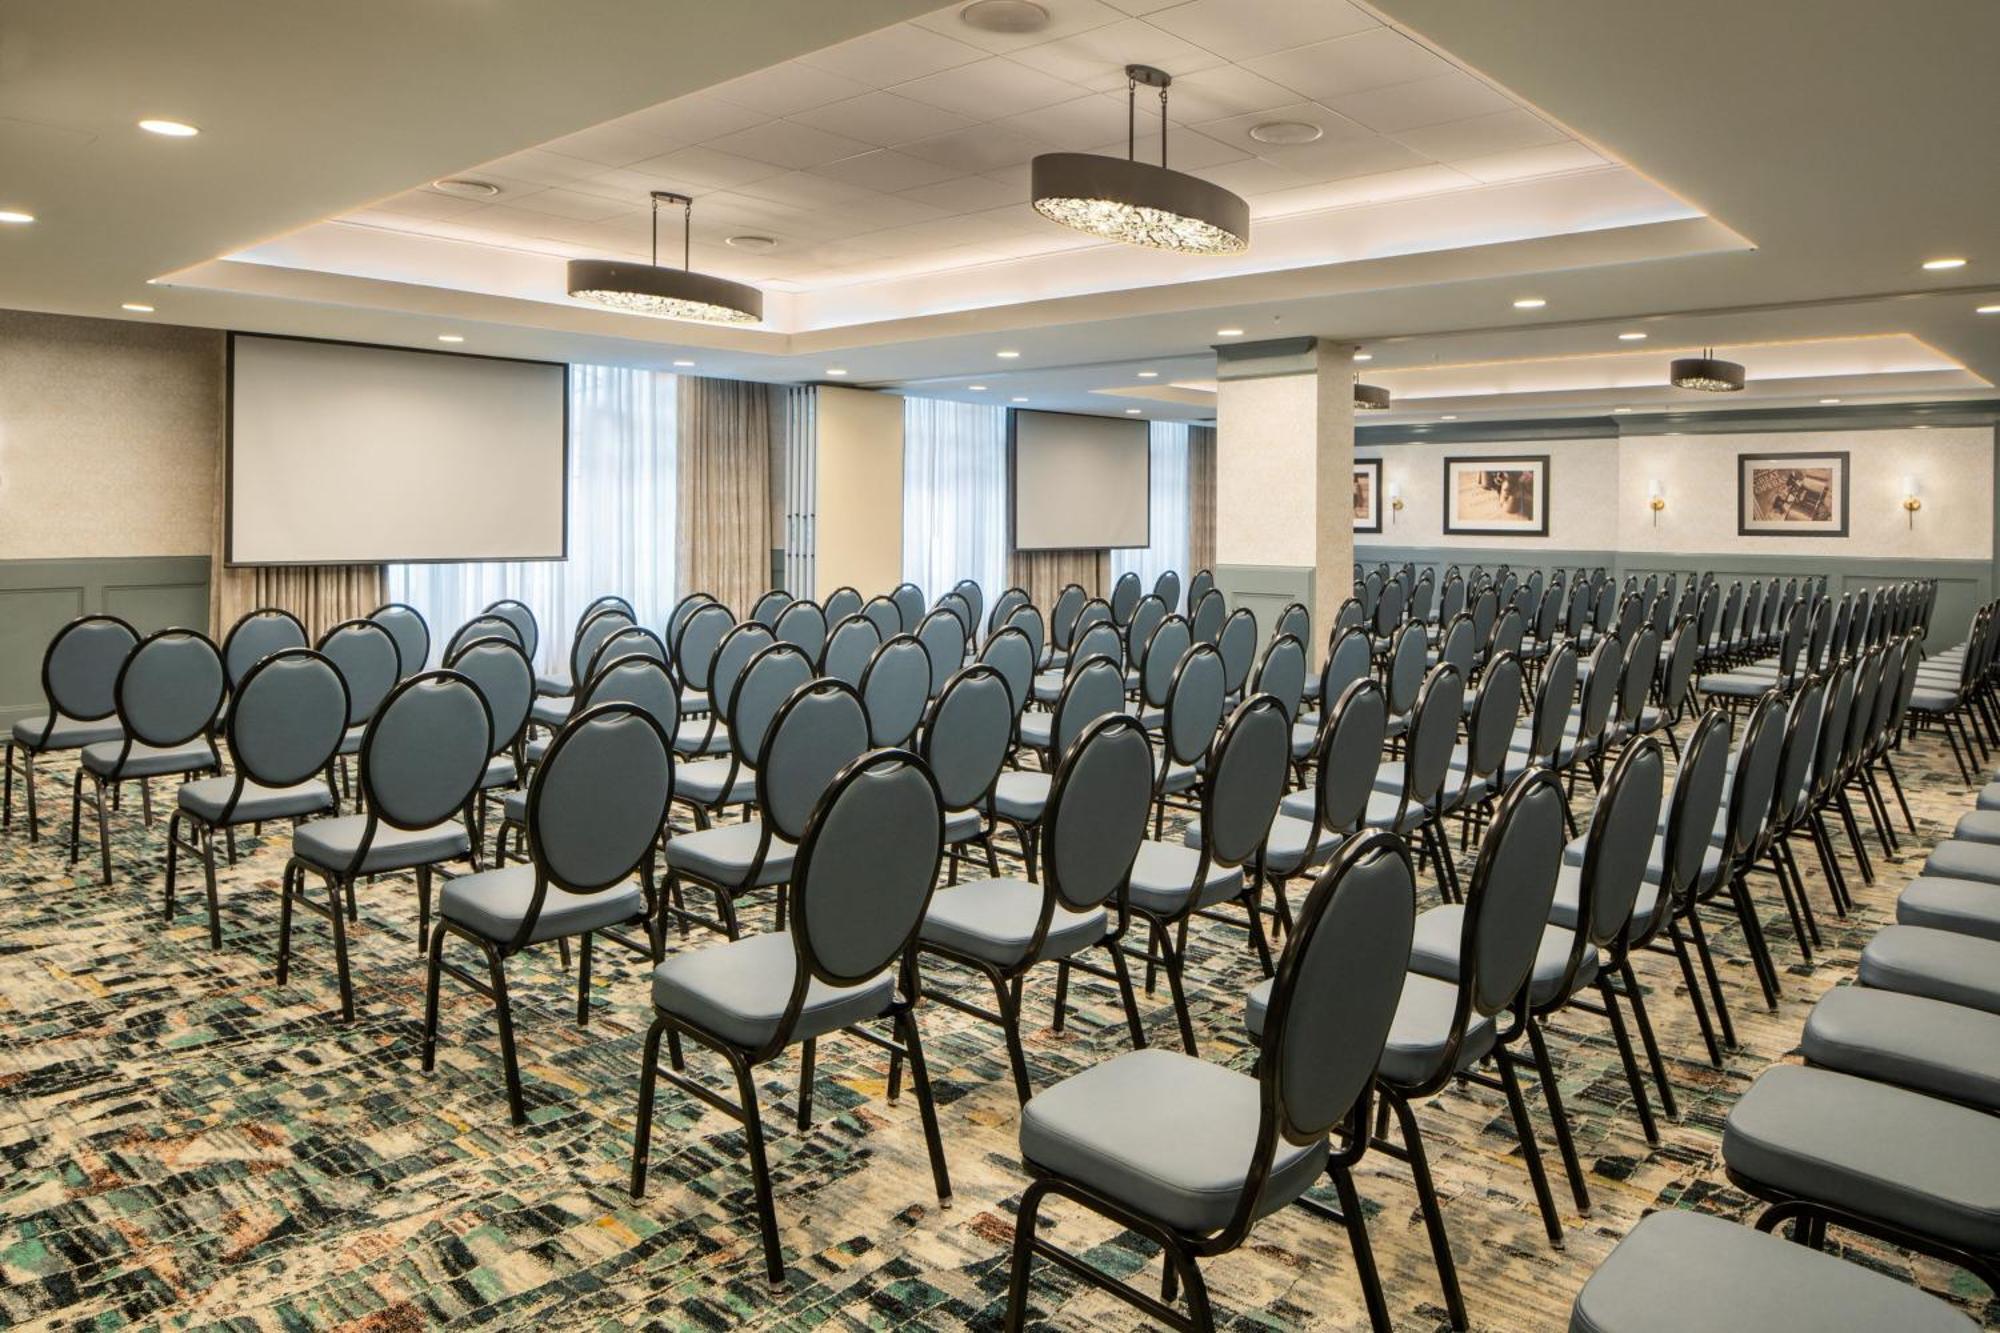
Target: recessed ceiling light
1008,355
14,215
172,129
1149,374
1982,310
1920,428
836,370
465,188
1009,16
1621,410
977,388
1530,303
1934,265
1229,333
1631,337
1287,132
1364,356
751,242
1447,417
683,363
1131,411
137,308
1020,400
451,337
1829,401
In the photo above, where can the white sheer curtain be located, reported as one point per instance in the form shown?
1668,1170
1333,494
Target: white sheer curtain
1167,504
622,449
954,496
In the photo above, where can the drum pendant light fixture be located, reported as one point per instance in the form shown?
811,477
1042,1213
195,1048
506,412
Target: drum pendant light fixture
671,293
1706,373
1370,397
1124,199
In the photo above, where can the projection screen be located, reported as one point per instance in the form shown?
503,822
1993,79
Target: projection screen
1080,482
341,453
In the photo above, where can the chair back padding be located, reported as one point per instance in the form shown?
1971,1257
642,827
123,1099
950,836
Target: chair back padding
1162,658
1194,704
803,625
1008,651
366,654
967,734
849,646
1296,621
1600,692
407,626
767,682
886,616
1640,670
644,683
599,797
1678,674
841,603
1063,615
1350,756
590,636
1245,780
1496,709
1202,584
256,636
1146,618
1167,588
974,597
1459,644
171,688
1282,674
694,649
1238,646
1755,779
1840,697
1094,689
81,665
1096,816
822,728
522,618
500,669
482,627
1389,605
631,641
1004,606
896,686
1801,755
426,750
1347,660
865,870
1699,780
1027,618
768,607
1338,985
909,602
1209,612
955,602
1513,885
1508,632
1125,593
1620,842
609,601
1407,661
288,718
678,617
1433,734
942,634
1100,641
742,643
1552,701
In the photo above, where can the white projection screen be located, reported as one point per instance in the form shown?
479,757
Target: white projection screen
342,454
1080,482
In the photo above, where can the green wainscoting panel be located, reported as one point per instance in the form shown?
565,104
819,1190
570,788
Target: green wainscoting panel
1267,590
38,597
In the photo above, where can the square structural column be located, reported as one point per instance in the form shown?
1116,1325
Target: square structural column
1284,479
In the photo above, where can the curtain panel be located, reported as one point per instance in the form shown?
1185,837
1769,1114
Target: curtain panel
1169,511
1044,574
725,490
954,496
1201,499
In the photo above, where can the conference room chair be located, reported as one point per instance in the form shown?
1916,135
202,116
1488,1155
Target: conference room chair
1403,673
482,627
886,615
1423,596
1481,764
678,617
167,696
1159,658
1544,738
422,756
1348,659
693,647
1173,882
1100,640
1743,1278
1638,673
365,653
79,680
1004,606
841,603
505,678
559,686
1209,611
942,633
910,606
1126,590
867,869
257,635
412,633
518,614
803,625
1001,928
813,730
1167,587
1599,677
1190,1155
896,688
967,734
1095,689
1238,645
1200,584
1746,829
552,707
1137,634
850,644
595,808
711,787
1190,715
1028,618
737,644
1810,722
286,717
1281,673
769,606
1009,651
960,607
1672,691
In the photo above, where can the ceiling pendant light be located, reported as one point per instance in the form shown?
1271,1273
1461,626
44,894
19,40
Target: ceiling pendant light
1124,199
1706,373
672,293
1370,397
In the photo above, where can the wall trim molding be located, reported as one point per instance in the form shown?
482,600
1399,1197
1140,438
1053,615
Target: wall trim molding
39,597
1721,421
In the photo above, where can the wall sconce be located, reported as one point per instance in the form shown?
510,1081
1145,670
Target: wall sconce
1912,499
1656,499
1395,500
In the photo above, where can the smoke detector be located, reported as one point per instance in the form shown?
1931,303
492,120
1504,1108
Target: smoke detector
1005,16
462,188
1287,132
751,242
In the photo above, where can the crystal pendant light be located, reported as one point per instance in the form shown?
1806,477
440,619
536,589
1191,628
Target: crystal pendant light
671,293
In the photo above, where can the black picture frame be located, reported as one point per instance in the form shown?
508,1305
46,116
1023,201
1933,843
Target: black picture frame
1370,468
1536,463
1745,491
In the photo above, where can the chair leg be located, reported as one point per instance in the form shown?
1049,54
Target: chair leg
1025,1218
1364,1253
1636,994
1125,993
1175,965
1427,1202
1753,939
583,982
808,1059
1062,995
1545,1071
103,832
642,1131
1531,1148
926,1104
1895,783
760,1168
208,883
423,908
497,970
1633,1078
1010,1023
432,974
1699,934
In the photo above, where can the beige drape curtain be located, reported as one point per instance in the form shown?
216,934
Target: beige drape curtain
1201,498
724,491
1044,574
321,596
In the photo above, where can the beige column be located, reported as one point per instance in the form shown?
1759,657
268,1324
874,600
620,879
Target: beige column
1284,477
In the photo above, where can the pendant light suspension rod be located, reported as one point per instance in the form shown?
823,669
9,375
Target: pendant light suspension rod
687,226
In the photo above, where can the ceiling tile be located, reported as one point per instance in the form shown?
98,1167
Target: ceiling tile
945,233
1097,59
1143,6
1081,122
1235,130
893,55
989,89
428,203
887,170
982,148
1241,29
1336,159
1387,185
884,119
543,168
1251,176
571,204
695,118
1225,90
614,145
970,194
705,167
802,189
788,143
1480,136
1377,58
876,214
787,89
1066,17
1186,149
1547,160
1409,106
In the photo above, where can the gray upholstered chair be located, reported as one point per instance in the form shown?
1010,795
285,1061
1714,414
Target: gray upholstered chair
1100,639
1238,646
1096,689
803,625
406,625
1009,651
1126,591
1190,1155
961,608
169,693
518,614
1138,634
504,675
1027,617
255,636
80,688
1348,659
841,603
483,627
714,679
910,605
711,786
368,659
1167,588
896,686
693,645
867,867
1281,673
1001,928
850,645
886,615
1004,607
286,718
1200,586
1190,715
1158,663
422,756
555,694
596,805
967,733
942,633
769,606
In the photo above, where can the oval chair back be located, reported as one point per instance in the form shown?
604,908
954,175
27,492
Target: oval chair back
1094,688
406,625
1004,606
769,606
695,643
1096,818
609,601
678,617
1147,616
1350,757
1296,621
1433,735
742,643
1691,814
849,647
1616,851
1125,594
590,636
641,681
500,670
1496,711
841,603
769,679
1753,782
481,627
286,722
1600,695
365,654
1459,644
1553,694
1209,612
1281,673
631,641
1101,640
1349,616
956,603
803,625
1008,652
1193,706
1063,615
1244,782
1348,659
821,729
424,753
1406,668
967,734
895,688
257,635
1842,683
80,669
1508,898
1200,586
1678,674
942,634
909,600
888,620
169,691
1027,618
1167,588
969,592
1389,606
522,618
1799,759
1238,645
1640,670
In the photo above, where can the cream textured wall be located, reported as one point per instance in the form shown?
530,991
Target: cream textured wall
1583,479
858,526
109,435
1264,492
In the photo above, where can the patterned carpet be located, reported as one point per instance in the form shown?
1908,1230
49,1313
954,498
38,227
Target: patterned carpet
188,1145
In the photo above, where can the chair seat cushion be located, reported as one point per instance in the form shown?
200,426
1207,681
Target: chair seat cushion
1434,952
1927,1045
1956,859
1163,879
67,734
1036,730
350,740
1179,778
551,710
1285,847
1305,735
694,703
1928,699
1165,1134
1879,1151
554,685
1941,964
1981,825
962,825
1569,897
1989,796
1966,906
739,990
723,855
494,901
994,920
1048,686
500,772
1415,1049
207,797
147,761
1020,795
332,843
1676,1271
697,738
1739,684
701,783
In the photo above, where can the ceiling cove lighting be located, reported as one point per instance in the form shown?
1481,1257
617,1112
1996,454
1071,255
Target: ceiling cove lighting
1007,355
1364,356
1530,303
1706,373
683,364
1939,265
1631,337
1982,310
1131,411
451,337
1229,333
16,216
1124,199
137,308
1370,397
170,129
1149,374
671,293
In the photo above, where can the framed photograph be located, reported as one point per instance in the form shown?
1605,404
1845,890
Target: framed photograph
1500,496
1791,495
1367,495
